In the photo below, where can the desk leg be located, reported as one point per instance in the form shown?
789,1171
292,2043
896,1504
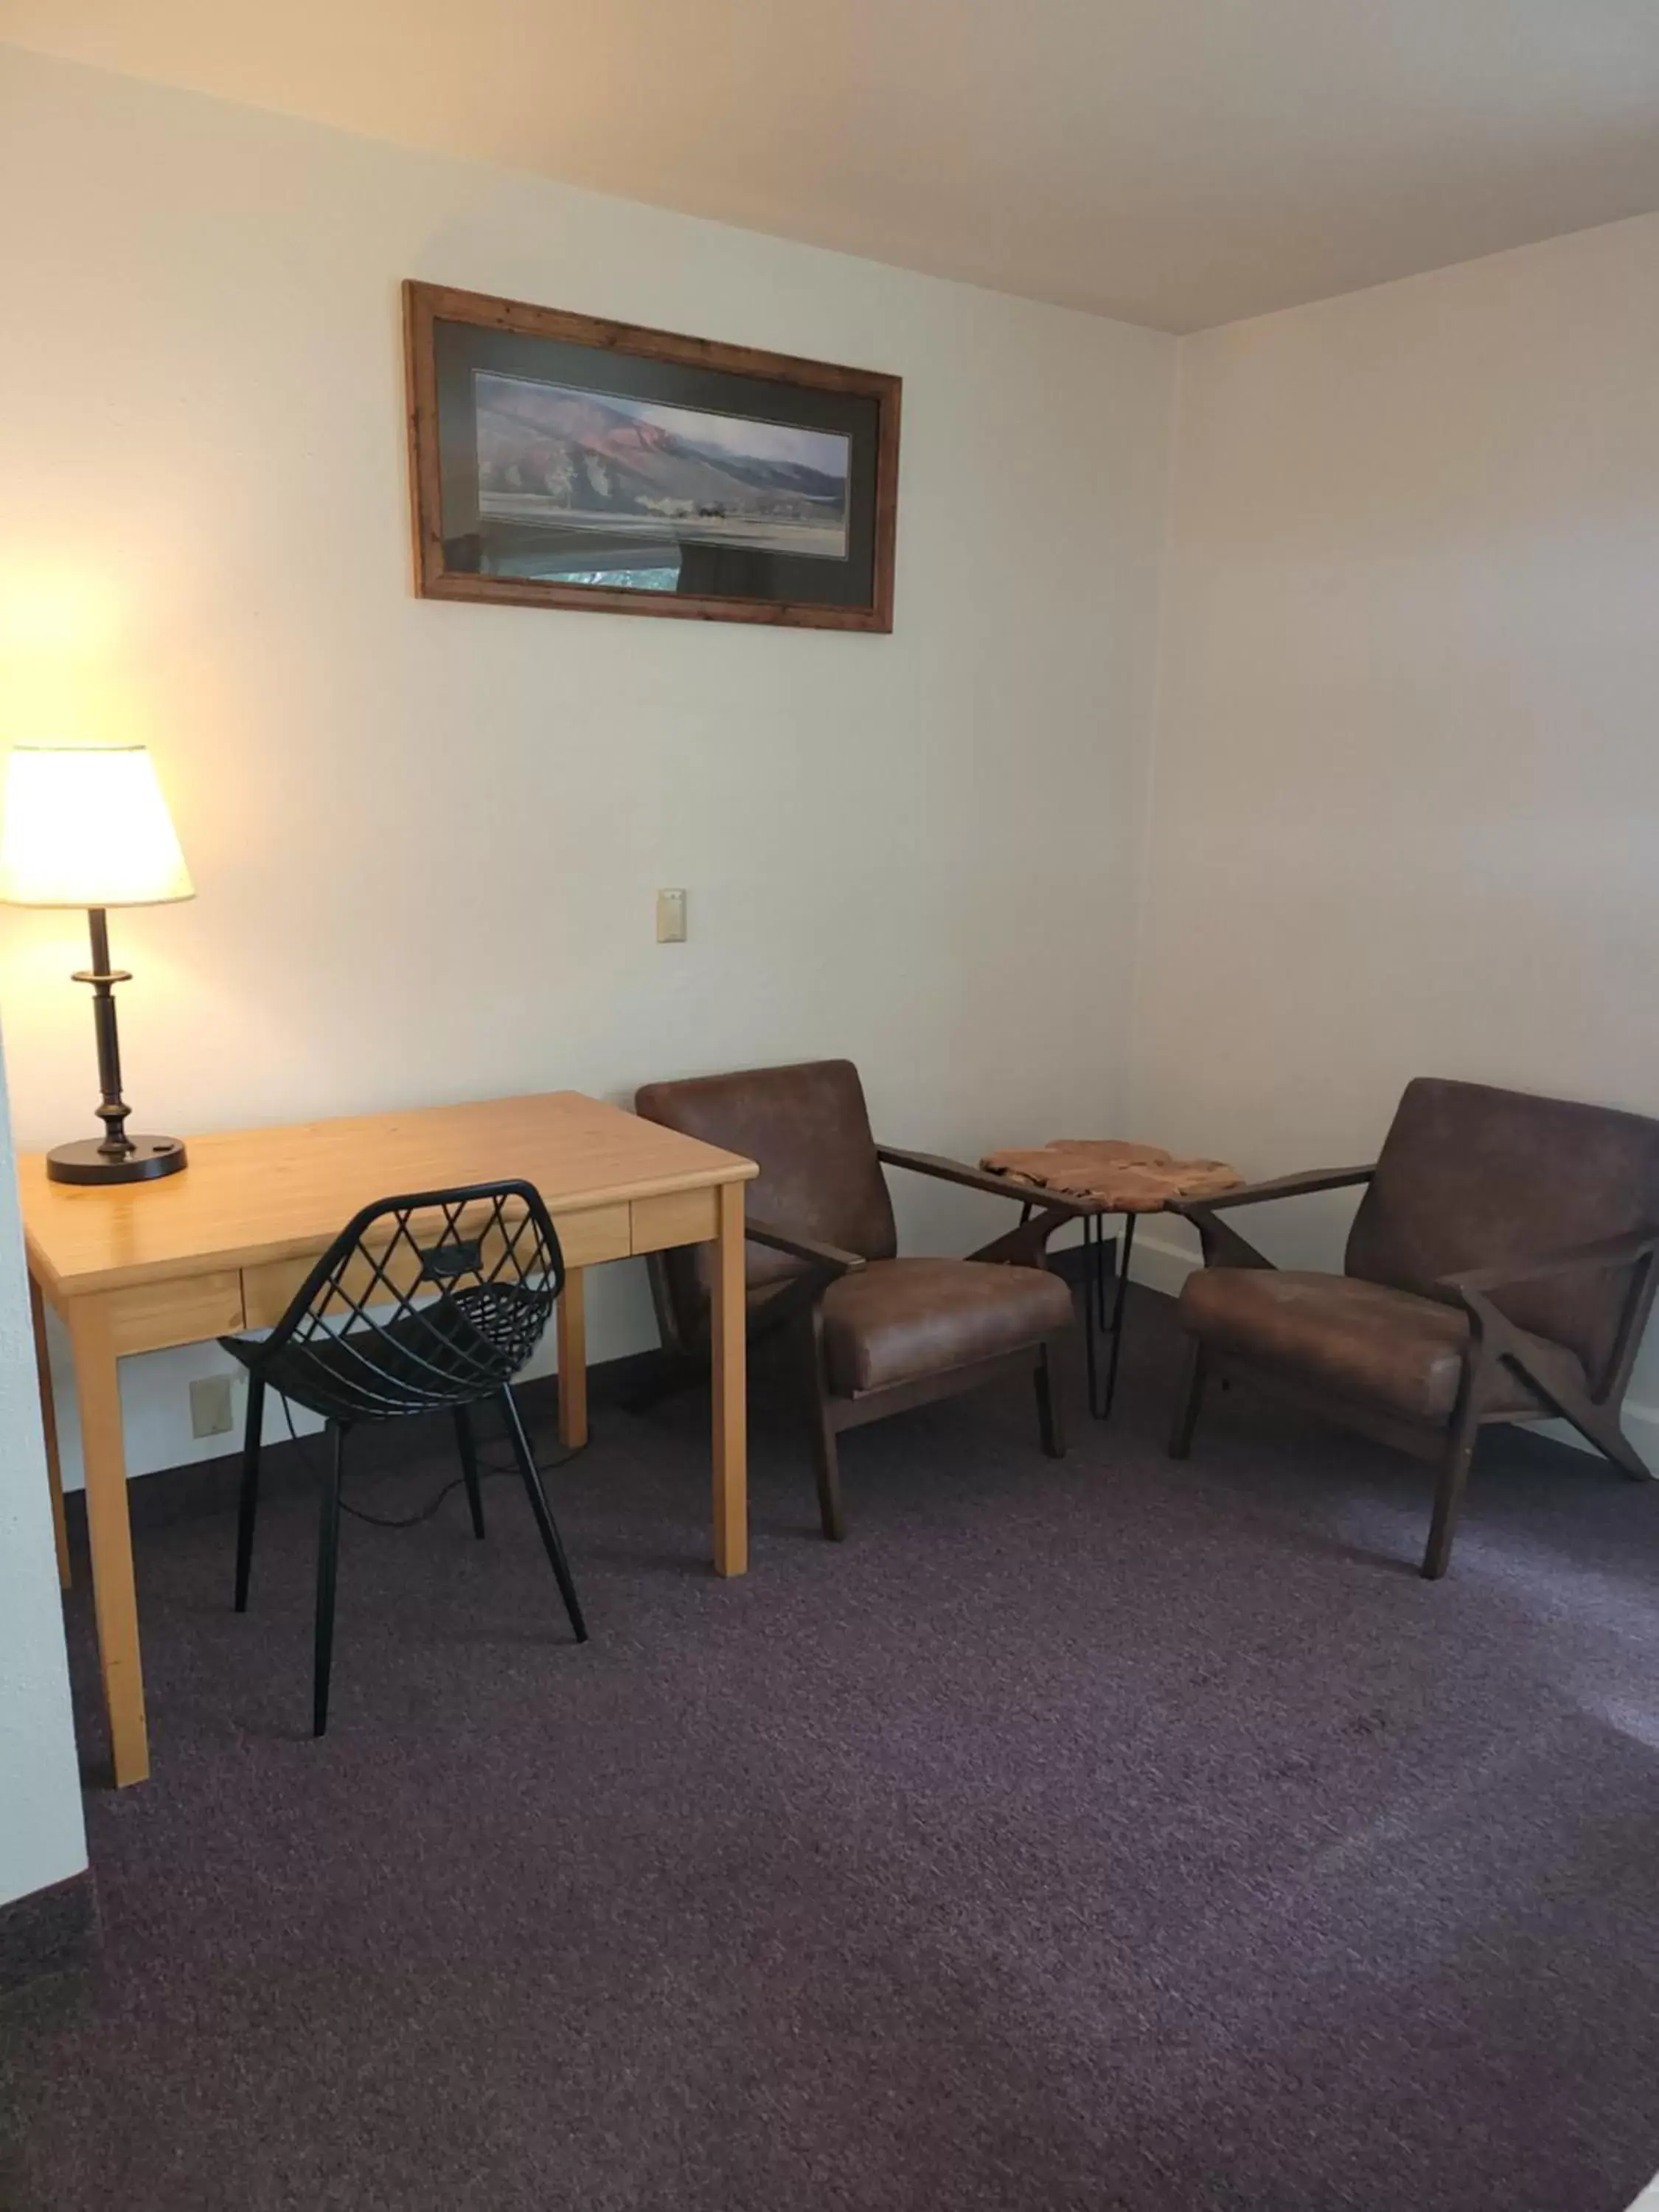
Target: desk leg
728,1330
49,1428
115,1600
573,1361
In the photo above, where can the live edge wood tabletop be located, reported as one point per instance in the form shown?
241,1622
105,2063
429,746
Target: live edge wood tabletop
222,1247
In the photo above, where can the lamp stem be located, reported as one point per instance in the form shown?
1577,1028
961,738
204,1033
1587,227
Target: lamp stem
112,1109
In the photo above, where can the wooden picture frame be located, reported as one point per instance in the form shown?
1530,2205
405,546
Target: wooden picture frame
558,460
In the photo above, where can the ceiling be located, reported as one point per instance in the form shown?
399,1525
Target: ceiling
1175,162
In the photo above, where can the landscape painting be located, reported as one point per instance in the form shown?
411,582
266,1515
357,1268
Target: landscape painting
559,460
552,454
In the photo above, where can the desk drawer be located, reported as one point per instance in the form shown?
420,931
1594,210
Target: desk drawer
268,1289
678,1217
589,1239
150,1316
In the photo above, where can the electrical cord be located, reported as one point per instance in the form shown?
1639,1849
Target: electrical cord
432,1505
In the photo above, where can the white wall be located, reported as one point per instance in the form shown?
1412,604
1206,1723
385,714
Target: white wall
1406,770
1406,812
42,1839
427,837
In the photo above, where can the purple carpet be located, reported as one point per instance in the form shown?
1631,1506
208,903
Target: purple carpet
1078,1836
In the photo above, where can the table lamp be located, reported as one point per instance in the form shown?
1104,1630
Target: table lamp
88,826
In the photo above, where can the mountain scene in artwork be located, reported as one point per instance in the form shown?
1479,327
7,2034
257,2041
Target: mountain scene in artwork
554,456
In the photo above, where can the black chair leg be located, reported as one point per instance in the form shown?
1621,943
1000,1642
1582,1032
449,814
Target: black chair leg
1050,1427
544,1513
328,1556
469,1450
248,1506
1191,1397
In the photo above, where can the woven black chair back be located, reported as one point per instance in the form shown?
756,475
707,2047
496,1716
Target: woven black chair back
423,1303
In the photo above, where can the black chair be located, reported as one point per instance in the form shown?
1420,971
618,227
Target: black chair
471,1277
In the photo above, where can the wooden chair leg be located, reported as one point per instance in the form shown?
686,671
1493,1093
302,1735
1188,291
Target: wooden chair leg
1447,1504
826,1458
1051,1426
1460,1441
248,1505
1193,1380
826,1455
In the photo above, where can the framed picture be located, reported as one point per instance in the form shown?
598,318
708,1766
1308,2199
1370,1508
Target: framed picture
559,461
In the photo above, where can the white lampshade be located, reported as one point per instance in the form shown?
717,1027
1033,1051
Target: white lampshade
88,826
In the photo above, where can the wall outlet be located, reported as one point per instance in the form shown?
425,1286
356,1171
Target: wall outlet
210,1414
670,917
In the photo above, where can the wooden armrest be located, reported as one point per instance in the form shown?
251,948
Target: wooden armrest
1291,1186
1222,1245
827,1256
1622,1251
932,1163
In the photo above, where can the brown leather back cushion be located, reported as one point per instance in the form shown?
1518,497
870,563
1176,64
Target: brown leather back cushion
808,1128
1470,1177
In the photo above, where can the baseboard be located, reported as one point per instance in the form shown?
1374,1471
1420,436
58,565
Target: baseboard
1165,1266
1156,1262
170,1493
1161,1264
48,1932
1153,1262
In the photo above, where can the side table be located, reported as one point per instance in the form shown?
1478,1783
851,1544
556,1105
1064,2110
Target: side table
1103,1175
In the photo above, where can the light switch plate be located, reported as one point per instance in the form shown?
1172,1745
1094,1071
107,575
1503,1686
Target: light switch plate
670,917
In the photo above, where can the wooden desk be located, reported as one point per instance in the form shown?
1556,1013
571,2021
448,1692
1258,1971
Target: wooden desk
223,1247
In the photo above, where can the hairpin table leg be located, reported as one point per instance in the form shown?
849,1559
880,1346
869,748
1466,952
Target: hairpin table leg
1097,1326
1091,1299
1125,1245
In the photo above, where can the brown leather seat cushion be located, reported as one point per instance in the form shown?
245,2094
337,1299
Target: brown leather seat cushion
1363,1340
897,1319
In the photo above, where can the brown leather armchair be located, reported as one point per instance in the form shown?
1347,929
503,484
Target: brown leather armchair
877,1333
1500,1269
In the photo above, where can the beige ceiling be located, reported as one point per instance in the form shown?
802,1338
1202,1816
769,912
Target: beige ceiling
1177,162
